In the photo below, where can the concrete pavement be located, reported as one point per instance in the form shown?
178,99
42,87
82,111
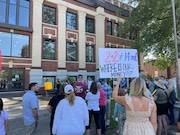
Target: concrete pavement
12,104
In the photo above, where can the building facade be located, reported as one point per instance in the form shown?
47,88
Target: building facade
50,39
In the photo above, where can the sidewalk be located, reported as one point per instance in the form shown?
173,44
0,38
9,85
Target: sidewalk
12,104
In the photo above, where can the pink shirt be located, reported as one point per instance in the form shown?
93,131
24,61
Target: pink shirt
102,100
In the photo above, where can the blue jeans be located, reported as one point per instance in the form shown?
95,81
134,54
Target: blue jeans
171,114
102,118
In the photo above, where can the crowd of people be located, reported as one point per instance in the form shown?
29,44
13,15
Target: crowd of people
146,109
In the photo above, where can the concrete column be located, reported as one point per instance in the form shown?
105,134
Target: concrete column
62,36
82,40
37,33
100,32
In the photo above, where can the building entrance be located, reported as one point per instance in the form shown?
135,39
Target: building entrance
11,79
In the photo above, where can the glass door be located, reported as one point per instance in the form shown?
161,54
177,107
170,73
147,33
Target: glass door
11,79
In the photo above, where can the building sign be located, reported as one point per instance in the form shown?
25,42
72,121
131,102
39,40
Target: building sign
115,63
0,61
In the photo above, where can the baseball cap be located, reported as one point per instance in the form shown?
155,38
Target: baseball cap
103,79
68,88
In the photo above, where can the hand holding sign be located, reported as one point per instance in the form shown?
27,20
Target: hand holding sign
115,63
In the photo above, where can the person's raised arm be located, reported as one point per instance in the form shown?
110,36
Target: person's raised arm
118,99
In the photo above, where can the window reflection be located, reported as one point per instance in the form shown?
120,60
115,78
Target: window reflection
49,49
49,15
15,12
13,1
24,16
5,43
109,27
71,51
15,45
71,21
3,11
89,25
89,53
20,45
116,29
12,14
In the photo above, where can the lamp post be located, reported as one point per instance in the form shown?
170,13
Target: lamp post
176,48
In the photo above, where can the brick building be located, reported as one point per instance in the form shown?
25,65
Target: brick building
50,39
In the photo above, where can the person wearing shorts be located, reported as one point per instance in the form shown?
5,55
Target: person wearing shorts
161,99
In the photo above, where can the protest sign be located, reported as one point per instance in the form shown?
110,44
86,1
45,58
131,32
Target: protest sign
114,62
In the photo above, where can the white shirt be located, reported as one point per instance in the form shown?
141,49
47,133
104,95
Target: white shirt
71,120
93,101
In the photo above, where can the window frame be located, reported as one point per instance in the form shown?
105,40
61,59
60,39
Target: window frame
18,6
11,44
107,27
93,31
93,58
116,30
45,5
75,50
47,39
76,27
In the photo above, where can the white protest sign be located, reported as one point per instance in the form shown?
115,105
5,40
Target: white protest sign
115,63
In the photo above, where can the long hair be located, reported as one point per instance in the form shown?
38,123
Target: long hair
94,88
138,88
1,105
71,98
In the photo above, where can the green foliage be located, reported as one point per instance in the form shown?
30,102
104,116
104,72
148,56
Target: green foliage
71,80
152,23
150,77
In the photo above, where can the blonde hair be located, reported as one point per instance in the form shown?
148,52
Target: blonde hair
71,97
138,88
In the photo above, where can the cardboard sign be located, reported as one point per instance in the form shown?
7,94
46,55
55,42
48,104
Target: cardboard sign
114,63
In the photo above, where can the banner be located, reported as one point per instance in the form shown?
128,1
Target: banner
115,63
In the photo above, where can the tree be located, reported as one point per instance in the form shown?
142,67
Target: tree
152,23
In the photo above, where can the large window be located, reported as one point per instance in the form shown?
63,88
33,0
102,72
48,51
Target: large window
71,20
90,53
71,51
89,25
49,49
49,15
116,26
109,27
15,12
14,45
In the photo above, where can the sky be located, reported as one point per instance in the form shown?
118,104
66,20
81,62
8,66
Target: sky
126,1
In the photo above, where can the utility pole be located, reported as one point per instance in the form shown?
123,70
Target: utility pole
176,49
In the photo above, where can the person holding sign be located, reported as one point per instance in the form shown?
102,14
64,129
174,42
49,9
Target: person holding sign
141,117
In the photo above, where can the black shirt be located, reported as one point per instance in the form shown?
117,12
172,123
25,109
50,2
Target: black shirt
54,102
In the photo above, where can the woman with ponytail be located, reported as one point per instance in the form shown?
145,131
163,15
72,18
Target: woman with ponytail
71,114
3,120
